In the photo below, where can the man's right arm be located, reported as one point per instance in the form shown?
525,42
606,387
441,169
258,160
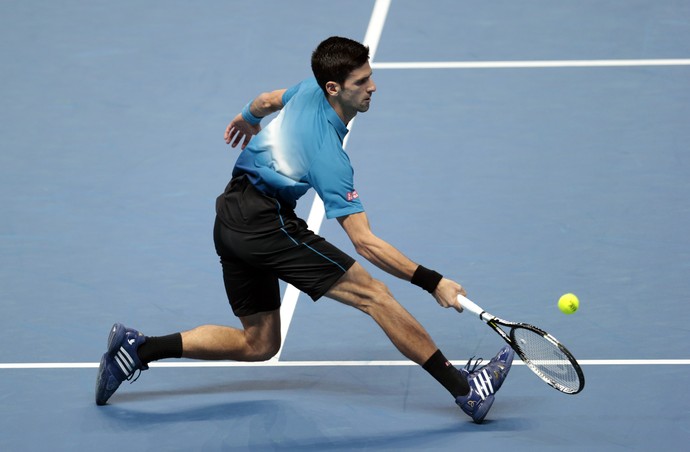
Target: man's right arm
246,124
266,103
388,258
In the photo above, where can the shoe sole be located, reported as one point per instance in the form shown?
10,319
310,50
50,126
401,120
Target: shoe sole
117,334
509,365
483,410
509,362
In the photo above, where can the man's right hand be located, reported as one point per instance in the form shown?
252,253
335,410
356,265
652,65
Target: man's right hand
240,130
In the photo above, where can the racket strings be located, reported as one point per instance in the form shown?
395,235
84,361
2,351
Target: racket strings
547,360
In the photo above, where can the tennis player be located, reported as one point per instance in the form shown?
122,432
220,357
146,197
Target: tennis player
260,239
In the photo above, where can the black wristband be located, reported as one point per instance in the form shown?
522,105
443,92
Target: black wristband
426,279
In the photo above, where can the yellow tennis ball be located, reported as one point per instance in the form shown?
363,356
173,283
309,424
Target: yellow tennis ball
568,303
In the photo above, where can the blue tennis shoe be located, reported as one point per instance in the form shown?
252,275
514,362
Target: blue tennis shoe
120,362
484,382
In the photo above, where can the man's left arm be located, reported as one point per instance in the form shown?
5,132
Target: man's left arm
388,258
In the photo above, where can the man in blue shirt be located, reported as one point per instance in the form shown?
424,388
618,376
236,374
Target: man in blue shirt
260,240
300,149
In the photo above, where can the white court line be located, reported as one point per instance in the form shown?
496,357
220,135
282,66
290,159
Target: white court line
528,64
272,363
317,212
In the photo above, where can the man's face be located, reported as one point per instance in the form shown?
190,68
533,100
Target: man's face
357,90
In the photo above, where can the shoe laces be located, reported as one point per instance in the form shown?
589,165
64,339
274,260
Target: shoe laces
134,376
471,367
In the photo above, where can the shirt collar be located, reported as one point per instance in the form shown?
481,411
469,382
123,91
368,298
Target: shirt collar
335,120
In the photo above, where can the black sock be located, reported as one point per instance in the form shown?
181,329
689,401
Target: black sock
162,347
446,374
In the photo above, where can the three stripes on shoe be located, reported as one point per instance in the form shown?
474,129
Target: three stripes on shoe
125,361
482,384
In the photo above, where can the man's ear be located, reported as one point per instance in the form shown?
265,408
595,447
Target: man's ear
332,88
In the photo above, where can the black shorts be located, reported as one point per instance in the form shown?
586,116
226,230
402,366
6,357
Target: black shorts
260,243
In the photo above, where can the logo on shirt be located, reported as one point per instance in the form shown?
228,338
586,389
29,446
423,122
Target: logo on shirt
352,195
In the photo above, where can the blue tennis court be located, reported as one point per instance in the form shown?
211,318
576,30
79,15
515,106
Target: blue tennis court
524,149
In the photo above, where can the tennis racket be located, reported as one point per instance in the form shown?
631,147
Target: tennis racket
540,351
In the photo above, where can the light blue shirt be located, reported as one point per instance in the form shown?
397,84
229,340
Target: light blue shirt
302,148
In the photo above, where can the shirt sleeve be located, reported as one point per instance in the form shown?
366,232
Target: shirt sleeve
287,95
332,177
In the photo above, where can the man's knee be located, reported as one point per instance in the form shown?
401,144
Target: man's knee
374,295
263,351
262,335
360,290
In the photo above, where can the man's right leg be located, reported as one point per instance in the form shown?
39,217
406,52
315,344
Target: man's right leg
473,390
358,289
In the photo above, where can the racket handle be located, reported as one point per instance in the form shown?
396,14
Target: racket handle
470,305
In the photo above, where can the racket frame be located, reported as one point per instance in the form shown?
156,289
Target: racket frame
494,323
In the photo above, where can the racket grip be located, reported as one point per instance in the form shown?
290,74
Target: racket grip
470,305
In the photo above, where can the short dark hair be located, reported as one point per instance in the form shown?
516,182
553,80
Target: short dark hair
335,58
